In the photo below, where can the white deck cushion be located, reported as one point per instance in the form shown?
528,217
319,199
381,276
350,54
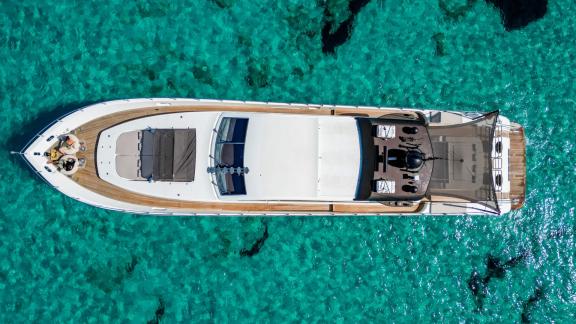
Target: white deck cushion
128,143
128,167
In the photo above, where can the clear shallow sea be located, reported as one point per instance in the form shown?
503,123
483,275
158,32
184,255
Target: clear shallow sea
63,261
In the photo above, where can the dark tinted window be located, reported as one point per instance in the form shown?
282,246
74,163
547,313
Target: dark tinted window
231,184
229,153
232,130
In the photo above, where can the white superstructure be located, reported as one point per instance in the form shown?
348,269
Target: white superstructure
301,158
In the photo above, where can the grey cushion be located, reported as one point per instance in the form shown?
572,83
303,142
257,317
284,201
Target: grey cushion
160,154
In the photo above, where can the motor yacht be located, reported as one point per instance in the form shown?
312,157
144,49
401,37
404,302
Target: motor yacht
164,156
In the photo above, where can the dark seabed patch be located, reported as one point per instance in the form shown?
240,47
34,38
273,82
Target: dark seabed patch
517,14
439,39
537,295
224,3
153,9
331,40
298,73
495,268
202,74
131,266
255,248
106,277
455,9
159,312
258,74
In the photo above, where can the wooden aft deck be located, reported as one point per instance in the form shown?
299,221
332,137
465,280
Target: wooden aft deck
517,167
88,176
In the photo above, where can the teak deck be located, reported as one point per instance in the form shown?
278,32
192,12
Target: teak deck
88,176
517,167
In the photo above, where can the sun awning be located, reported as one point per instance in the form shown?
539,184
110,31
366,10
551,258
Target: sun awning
463,161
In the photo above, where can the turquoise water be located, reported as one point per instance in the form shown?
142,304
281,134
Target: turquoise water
63,261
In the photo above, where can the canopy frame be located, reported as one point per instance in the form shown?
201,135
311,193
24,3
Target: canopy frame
463,161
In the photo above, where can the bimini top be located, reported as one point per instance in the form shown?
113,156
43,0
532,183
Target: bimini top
464,161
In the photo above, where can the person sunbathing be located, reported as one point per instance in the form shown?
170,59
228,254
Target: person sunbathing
69,146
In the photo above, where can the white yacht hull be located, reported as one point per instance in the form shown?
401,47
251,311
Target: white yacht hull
48,137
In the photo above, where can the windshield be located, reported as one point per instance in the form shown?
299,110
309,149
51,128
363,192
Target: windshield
229,156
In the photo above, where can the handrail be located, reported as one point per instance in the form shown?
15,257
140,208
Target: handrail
41,131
